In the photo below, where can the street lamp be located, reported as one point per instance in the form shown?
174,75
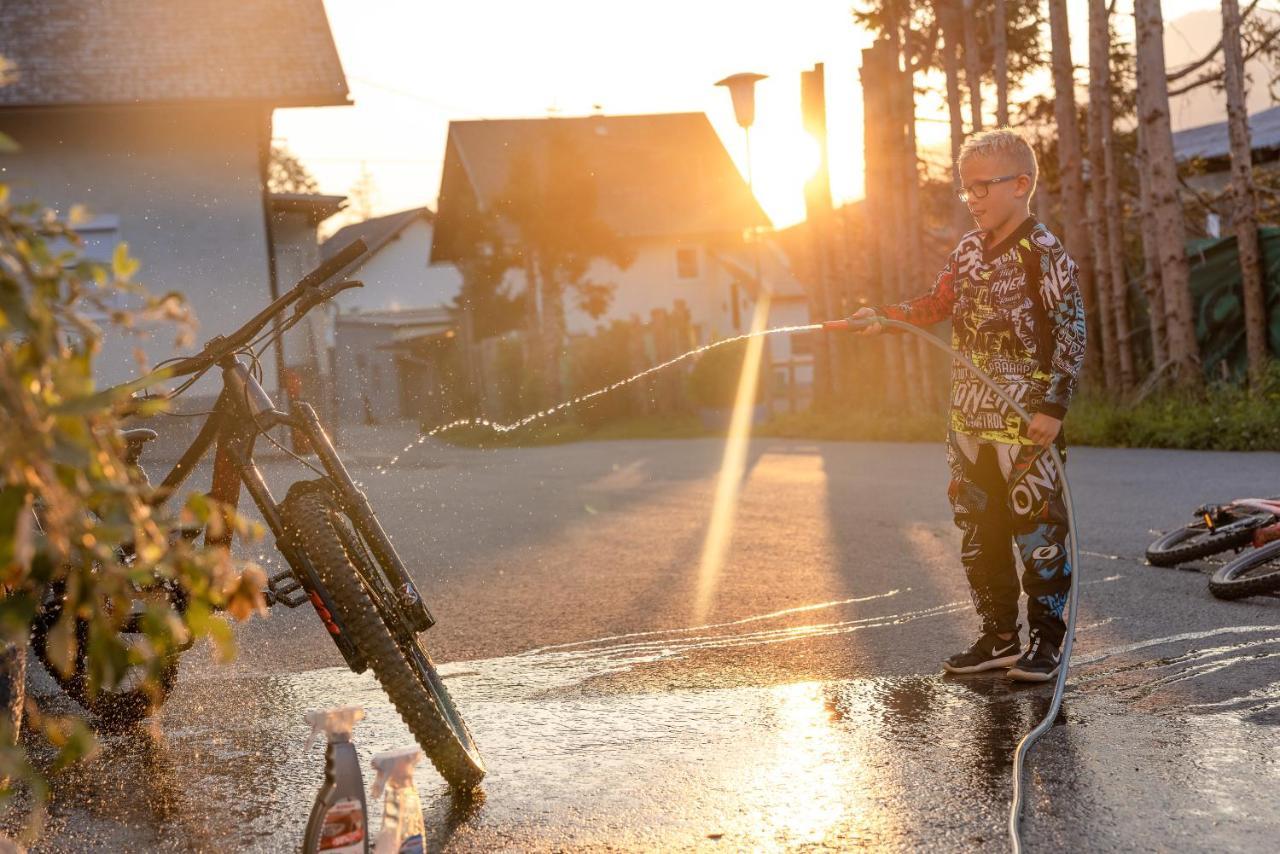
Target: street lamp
742,89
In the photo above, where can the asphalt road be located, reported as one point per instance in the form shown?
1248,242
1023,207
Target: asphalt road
802,707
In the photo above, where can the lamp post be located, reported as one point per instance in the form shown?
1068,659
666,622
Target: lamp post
742,89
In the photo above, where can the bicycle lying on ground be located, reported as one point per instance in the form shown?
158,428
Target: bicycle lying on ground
339,558
1246,523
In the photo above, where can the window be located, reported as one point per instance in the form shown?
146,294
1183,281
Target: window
686,263
802,343
99,236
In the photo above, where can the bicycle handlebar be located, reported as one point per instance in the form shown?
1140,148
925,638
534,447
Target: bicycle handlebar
220,345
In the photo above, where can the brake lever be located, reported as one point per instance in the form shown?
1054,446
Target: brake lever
319,295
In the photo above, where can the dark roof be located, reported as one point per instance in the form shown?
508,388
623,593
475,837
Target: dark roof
69,52
663,174
376,233
317,206
1210,142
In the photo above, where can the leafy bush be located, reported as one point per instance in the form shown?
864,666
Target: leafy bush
1223,417
713,382
72,512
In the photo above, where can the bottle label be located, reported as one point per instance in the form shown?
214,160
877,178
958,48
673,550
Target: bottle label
343,830
412,845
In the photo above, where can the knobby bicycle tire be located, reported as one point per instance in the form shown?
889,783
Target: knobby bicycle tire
407,675
1235,581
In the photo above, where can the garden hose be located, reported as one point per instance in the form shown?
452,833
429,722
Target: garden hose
1060,687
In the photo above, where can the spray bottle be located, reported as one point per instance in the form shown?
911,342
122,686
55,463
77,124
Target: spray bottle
402,828
339,819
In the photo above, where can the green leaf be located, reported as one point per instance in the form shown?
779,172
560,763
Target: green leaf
122,265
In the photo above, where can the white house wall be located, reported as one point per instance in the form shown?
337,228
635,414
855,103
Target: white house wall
184,184
399,277
652,282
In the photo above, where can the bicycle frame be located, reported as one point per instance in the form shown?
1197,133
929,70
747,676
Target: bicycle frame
242,412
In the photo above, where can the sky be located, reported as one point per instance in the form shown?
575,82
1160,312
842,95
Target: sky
414,65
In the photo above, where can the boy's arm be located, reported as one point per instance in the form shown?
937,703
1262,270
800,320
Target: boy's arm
933,307
1060,294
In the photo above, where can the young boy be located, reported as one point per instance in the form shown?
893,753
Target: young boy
1010,290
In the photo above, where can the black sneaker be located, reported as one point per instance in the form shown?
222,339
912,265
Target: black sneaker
988,652
1039,663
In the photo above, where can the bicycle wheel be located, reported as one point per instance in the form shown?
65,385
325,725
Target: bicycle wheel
1196,541
395,654
1253,573
133,700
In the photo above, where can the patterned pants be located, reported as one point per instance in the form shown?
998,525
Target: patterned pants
1005,495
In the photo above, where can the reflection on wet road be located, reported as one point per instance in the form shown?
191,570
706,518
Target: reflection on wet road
819,723
894,762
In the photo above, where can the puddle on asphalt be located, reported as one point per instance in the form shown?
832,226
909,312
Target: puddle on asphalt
894,762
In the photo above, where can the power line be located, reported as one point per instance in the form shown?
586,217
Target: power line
404,93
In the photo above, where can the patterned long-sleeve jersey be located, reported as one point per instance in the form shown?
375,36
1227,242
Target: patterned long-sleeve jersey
1016,311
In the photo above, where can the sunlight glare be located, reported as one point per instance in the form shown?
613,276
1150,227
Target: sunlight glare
732,466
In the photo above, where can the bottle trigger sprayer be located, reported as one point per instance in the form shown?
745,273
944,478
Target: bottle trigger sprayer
402,829
339,820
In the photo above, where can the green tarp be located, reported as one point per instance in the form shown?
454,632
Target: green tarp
1216,296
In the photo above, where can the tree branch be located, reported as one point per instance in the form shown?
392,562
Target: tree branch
1208,57
1217,74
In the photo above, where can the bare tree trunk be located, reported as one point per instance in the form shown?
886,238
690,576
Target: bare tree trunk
878,107
1151,284
912,233
1076,234
1114,216
1153,115
1243,215
972,65
533,353
1099,68
951,68
1000,46
553,336
902,188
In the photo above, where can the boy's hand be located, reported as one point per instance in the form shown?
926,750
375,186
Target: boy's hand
871,328
1043,429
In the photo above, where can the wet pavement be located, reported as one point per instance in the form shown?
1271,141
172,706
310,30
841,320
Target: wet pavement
804,709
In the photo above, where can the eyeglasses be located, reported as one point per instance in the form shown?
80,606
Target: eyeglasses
979,189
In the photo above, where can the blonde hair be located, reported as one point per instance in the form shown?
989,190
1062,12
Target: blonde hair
1006,143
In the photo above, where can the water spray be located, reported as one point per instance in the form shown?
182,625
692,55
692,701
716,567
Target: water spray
1060,686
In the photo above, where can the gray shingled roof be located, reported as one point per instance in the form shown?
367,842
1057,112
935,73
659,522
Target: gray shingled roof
662,174
1210,141
72,52
375,231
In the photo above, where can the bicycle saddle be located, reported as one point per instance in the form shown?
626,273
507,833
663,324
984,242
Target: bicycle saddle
133,440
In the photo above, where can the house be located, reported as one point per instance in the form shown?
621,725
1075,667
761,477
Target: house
157,115
381,337
664,184
1205,154
295,246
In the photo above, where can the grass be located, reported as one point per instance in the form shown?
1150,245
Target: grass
1221,417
